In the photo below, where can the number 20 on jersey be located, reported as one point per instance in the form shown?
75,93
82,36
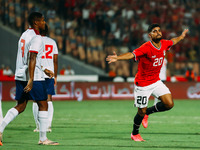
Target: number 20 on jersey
158,61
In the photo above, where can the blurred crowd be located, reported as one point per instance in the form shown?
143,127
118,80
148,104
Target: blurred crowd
5,71
89,30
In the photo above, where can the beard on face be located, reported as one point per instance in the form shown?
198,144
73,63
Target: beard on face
156,40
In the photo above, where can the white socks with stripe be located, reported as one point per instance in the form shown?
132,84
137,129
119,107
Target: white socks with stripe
50,113
43,120
10,116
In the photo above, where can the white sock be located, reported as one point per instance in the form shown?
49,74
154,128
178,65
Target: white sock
10,116
35,114
1,113
43,120
50,113
155,101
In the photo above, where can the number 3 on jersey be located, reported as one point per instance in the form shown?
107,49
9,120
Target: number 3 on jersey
158,61
48,51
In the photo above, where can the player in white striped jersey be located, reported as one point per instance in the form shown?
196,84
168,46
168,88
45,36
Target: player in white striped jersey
29,77
50,61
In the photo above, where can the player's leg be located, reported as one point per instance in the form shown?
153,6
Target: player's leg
11,115
21,98
163,93
42,118
50,112
50,92
40,97
141,101
1,112
137,122
35,115
156,100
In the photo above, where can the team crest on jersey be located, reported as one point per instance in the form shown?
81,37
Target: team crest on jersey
164,52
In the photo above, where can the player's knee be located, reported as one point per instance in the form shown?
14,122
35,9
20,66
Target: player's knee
20,109
169,105
43,106
142,111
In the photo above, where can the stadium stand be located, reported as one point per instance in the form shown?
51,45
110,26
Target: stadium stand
88,30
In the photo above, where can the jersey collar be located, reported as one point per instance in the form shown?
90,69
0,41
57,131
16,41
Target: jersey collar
156,47
36,31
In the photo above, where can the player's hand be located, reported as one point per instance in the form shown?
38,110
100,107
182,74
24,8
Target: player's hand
29,86
184,33
55,81
112,58
49,73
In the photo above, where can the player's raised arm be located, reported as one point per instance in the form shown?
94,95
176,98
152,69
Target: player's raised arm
114,58
181,37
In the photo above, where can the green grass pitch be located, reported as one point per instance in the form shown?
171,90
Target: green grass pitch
107,125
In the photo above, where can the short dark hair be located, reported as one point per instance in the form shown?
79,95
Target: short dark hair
33,17
45,31
150,28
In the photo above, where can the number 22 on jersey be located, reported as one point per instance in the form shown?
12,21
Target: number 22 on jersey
48,51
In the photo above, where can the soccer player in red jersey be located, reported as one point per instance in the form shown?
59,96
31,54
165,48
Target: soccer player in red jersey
147,82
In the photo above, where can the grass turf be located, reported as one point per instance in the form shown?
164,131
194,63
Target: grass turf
107,125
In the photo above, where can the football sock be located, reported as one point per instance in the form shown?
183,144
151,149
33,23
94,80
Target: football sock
10,116
43,120
35,114
159,107
1,113
155,101
50,113
137,121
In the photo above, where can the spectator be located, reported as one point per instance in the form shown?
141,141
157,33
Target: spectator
62,71
189,74
7,71
73,22
112,72
69,71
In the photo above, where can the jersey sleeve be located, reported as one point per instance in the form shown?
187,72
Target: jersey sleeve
36,44
142,50
169,44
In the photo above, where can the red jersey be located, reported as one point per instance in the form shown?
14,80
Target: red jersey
150,61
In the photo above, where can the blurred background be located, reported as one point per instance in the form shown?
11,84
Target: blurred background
86,31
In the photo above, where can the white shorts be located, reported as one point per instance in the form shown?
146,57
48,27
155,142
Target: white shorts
142,94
